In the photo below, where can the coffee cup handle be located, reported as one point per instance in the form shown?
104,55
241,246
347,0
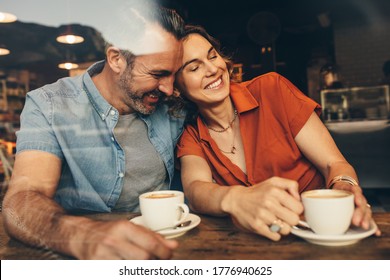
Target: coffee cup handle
184,214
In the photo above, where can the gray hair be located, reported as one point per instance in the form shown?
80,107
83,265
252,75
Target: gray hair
133,24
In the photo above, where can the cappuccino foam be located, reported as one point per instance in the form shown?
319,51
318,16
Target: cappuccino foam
160,195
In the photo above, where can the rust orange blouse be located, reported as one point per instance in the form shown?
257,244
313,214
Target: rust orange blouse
271,112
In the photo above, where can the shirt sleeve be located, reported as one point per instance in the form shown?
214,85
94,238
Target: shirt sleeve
36,132
298,106
189,143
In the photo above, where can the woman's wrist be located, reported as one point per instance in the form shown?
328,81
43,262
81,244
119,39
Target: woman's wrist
227,202
345,179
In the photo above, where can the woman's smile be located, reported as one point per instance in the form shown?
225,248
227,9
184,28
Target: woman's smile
215,84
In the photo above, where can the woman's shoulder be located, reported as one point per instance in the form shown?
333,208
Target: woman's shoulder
268,83
271,82
191,129
265,78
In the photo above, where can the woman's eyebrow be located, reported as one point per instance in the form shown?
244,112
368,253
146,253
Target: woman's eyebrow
195,59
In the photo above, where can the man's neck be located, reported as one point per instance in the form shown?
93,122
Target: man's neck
106,83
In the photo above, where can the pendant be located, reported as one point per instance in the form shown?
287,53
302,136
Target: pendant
233,150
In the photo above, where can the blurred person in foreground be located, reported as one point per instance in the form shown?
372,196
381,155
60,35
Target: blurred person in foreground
249,149
95,142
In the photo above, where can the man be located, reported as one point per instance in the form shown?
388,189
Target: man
95,142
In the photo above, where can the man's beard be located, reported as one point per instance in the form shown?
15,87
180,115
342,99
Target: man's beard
135,99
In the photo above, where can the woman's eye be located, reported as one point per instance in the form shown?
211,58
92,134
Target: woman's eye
213,57
193,69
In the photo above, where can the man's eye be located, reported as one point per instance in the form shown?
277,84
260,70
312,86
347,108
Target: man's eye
159,75
155,76
213,57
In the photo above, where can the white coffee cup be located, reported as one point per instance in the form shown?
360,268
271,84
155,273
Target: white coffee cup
328,211
163,209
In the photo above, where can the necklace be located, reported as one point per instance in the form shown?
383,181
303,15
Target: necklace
226,128
233,147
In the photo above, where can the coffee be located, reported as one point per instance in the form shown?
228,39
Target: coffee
330,195
162,195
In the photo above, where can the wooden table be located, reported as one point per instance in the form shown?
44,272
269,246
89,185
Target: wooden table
218,239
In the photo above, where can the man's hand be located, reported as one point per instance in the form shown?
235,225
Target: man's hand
121,240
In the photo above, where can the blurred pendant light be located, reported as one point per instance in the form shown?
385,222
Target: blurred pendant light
7,17
4,50
68,37
69,62
68,65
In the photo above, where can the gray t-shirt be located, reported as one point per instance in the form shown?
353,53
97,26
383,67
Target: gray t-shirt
145,170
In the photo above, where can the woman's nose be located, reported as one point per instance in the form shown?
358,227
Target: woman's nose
212,69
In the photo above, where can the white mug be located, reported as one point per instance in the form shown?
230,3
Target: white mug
328,211
163,209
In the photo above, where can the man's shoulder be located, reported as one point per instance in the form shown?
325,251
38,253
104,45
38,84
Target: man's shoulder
64,87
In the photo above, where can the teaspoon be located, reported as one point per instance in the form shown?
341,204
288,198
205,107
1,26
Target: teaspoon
181,225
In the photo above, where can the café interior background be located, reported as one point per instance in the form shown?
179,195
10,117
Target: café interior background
296,38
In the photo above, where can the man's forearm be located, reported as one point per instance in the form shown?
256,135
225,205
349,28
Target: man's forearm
36,219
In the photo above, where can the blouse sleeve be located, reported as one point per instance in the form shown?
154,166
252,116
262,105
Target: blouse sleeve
189,143
298,107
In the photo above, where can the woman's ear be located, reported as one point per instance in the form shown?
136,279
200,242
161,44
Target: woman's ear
115,60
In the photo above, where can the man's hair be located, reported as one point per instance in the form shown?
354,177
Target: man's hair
170,21
135,19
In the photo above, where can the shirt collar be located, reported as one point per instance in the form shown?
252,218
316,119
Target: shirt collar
243,101
242,98
101,105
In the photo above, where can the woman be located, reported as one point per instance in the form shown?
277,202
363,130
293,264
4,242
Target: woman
250,149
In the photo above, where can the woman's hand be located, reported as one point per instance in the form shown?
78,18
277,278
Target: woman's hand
256,208
362,215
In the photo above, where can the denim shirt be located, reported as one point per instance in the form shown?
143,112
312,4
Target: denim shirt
72,120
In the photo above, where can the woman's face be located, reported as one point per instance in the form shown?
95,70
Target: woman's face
204,77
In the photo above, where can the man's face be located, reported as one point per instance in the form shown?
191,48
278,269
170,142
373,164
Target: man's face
151,76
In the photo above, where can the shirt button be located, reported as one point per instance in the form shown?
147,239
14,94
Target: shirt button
103,115
112,112
121,175
112,139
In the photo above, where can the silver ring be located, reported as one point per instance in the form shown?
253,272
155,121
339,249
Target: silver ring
276,226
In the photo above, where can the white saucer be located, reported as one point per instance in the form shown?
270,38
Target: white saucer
172,233
353,235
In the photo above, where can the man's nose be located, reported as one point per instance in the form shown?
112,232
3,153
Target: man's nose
166,85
